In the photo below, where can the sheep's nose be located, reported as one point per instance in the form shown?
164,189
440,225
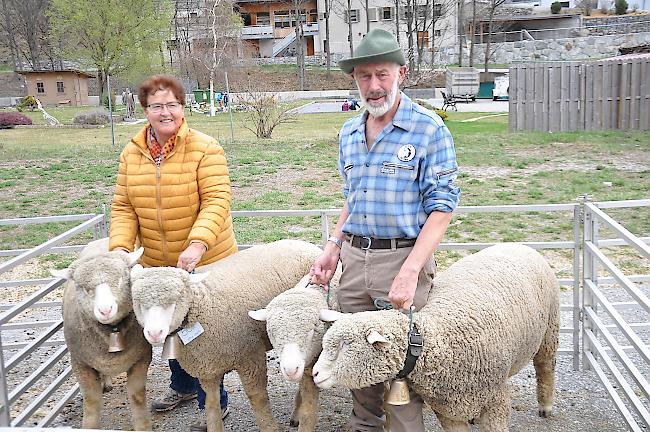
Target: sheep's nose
155,334
105,311
291,372
314,373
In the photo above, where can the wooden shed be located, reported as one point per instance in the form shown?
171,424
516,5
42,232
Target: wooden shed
58,87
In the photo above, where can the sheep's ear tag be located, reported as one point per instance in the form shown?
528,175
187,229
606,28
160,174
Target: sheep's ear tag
188,334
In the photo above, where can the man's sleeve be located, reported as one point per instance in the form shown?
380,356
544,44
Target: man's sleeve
440,172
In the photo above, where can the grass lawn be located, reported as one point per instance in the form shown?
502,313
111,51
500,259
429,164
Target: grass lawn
50,171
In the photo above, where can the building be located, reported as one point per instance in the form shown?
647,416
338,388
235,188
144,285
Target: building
58,87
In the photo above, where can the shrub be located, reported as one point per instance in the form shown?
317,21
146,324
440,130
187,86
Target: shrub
556,7
97,117
11,119
27,102
443,114
621,7
105,101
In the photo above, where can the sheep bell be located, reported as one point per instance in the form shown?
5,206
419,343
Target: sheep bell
398,393
115,341
171,347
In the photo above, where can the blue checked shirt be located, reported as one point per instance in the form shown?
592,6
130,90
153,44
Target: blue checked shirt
392,198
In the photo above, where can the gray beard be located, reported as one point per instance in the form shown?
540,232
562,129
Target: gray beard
378,111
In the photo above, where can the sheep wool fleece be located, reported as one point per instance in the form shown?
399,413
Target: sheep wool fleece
488,315
186,199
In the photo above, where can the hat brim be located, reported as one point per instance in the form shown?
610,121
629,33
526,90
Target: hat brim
395,56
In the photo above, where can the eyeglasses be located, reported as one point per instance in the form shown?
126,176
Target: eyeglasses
171,106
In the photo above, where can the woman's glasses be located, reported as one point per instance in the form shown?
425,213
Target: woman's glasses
171,106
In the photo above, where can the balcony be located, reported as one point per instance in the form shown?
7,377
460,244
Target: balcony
257,32
310,29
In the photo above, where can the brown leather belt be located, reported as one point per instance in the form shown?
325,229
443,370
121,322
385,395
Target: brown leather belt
374,243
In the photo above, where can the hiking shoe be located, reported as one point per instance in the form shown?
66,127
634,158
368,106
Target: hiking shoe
202,426
171,400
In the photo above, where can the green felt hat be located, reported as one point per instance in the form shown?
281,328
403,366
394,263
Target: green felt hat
377,46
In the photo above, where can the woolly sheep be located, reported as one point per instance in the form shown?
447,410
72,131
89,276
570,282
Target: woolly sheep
165,299
487,316
296,333
96,299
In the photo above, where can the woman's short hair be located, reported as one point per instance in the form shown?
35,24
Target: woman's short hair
160,82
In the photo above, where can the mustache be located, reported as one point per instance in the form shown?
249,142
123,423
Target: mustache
376,95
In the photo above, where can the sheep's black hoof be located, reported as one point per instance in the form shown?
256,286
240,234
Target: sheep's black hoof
544,413
294,423
472,421
107,387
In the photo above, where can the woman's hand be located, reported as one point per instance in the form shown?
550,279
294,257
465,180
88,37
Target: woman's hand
191,256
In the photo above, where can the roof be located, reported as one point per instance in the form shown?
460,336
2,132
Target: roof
76,71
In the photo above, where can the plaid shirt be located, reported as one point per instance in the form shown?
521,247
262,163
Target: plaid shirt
389,196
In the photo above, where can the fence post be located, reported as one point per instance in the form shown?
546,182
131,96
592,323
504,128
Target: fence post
105,221
589,273
5,413
578,212
325,227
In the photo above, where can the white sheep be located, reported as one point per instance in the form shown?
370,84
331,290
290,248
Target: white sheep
486,317
165,299
96,300
296,333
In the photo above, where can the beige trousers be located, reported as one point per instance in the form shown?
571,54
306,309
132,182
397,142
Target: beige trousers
367,275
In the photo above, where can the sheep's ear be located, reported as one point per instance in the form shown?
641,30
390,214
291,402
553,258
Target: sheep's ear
376,338
259,315
133,257
136,271
196,278
63,274
329,315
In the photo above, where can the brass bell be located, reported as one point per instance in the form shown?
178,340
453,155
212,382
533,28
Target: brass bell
171,347
398,393
115,341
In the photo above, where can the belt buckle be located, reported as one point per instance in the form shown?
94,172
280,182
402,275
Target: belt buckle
369,243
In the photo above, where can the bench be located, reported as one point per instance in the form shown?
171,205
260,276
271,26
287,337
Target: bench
448,102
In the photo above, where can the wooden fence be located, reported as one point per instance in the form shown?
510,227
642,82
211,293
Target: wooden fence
571,96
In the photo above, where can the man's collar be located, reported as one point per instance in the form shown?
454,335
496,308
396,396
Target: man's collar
401,119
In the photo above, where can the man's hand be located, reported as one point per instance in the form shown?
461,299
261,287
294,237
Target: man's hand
325,265
191,256
402,291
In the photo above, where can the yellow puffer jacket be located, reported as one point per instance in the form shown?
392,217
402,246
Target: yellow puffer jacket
186,199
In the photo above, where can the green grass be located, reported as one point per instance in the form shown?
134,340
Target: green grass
49,171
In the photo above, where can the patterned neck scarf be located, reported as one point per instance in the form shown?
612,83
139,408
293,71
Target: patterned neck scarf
158,152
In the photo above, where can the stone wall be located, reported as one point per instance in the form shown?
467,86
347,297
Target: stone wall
577,48
12,85
621,24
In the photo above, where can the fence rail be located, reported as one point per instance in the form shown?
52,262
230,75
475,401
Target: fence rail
592,350
572,96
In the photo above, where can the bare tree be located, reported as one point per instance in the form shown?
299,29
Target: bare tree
349,19
472,34
328,45
492,8
301,17
587,5
460,4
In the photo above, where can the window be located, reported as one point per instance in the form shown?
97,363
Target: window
59,87
437,10
437,33
246,18
422,12
281,19
386,13
40,87
354,15
372,14
263,19
313,15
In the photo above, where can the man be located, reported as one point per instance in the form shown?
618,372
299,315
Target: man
398,163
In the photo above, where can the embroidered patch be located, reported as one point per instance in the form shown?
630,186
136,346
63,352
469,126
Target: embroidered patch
406,153
385,170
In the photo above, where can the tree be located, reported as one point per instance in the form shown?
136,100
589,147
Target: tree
492,7
587,6
115,37
26,29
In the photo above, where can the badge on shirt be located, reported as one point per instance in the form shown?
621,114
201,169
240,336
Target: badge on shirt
406,153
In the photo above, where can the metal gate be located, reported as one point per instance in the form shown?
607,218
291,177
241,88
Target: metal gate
598,324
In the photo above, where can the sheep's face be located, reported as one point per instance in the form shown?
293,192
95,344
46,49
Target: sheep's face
357,352
294,328
161,299
102,285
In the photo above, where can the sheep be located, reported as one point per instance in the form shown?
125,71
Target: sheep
296,333
97,299
486,317
165,299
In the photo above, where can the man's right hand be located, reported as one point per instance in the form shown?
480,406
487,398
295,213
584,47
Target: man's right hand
325,265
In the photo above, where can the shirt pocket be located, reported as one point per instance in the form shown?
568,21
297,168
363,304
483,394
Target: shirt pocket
399,171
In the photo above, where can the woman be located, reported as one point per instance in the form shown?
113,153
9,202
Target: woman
173,193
